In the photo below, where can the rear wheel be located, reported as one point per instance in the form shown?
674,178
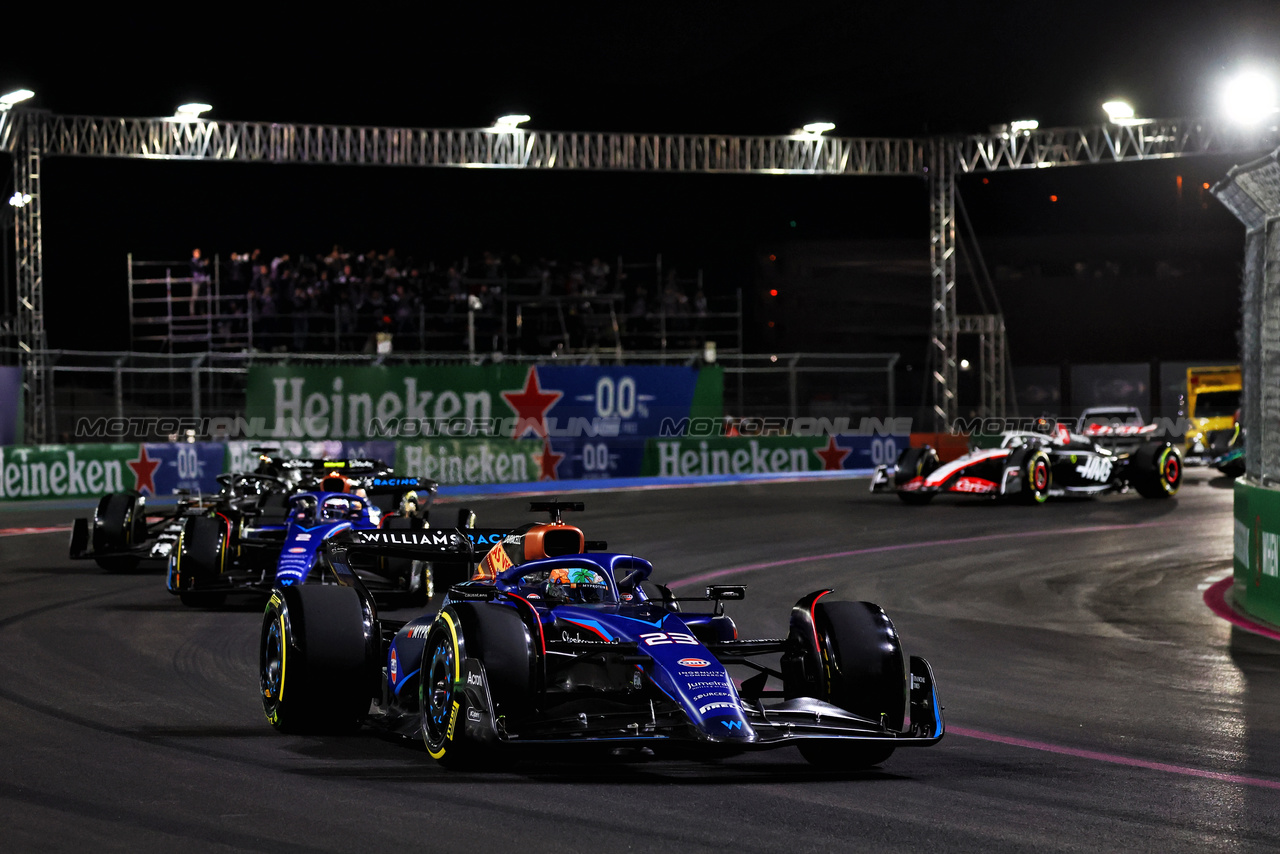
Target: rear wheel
1156,471
864,673
317,661
118,520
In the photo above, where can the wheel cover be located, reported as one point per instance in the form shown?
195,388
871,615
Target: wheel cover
273,663
1172,471
1041,476
437,690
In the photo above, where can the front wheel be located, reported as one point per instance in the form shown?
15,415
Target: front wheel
863,672
1037,478
442,700
200,558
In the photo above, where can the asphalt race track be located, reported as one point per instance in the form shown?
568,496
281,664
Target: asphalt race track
1093,701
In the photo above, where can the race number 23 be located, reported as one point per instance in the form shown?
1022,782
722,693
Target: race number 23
660,638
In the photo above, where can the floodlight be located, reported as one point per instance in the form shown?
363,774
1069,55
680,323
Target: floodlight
190,112
1023,125
1249,98
818,127
509,123
19,200
1117,110
7,101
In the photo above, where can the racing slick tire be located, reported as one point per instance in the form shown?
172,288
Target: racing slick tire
119,524
865,673
1037,478
498,638
1156,470
201,554
913,463
317,663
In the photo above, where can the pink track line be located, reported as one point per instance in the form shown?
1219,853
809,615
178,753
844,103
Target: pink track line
754,567
1216,598
18,532
1111,758
1115,759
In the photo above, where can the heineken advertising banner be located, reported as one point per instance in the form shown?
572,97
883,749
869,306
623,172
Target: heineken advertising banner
164,468
288,402
67,471
451,462
736,455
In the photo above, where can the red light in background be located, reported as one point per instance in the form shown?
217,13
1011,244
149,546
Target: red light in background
1053,198
770,324
986,180
773,257
1205,185
773,292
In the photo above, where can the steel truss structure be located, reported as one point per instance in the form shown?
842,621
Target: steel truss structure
29,135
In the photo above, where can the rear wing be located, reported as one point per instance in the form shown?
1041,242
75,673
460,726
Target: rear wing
315,465
438,545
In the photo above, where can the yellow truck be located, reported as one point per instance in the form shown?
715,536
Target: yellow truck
1213,397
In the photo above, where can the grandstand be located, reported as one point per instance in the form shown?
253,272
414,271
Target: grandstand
377,301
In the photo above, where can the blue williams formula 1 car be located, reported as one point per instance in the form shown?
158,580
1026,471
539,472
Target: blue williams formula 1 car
224,552
568,647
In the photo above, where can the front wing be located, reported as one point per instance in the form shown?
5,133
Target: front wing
776,724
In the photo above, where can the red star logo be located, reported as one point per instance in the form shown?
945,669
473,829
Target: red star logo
832,455
547,461
531,405
144,471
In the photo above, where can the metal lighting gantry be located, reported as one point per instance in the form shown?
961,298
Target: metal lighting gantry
31,135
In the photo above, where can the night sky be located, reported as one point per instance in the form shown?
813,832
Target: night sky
873,69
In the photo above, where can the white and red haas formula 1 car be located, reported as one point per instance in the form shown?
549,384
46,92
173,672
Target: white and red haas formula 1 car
1032,467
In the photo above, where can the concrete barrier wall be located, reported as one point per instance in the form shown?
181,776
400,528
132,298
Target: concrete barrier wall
1256,558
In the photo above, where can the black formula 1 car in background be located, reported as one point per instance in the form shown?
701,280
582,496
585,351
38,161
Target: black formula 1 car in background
565,648
124,533
1032,467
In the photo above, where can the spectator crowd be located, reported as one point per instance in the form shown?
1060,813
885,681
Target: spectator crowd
343,300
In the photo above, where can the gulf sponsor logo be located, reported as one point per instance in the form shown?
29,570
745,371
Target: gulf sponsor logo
297,550
694,662
394,667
